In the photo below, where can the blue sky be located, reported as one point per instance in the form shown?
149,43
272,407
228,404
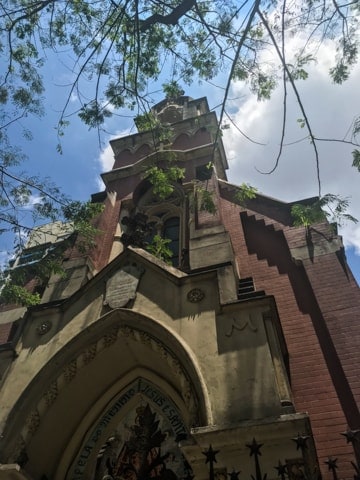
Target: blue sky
331,108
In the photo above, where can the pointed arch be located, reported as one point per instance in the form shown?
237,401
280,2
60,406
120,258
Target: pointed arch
127,398
97,362
167,217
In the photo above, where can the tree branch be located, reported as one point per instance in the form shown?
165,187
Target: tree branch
243,133
170,19
32,185
292,82
285,91
233,65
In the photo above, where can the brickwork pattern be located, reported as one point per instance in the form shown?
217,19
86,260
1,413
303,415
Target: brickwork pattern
106,224
5,331
262,253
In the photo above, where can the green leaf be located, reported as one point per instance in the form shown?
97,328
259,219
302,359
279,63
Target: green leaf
159,248
340,73
356,127
244,193
306,215
93,114
330,207
356,159
172,90
205,200
162,179
17,294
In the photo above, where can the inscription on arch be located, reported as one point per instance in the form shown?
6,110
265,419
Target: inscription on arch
168,418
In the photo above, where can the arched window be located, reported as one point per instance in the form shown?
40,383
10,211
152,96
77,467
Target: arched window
166,217
171,230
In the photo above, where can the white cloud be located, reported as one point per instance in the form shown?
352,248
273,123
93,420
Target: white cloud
106,157
331,110
351,237
73,97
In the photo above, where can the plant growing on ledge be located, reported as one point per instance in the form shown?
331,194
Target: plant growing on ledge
162,179
159,247
330,207
202,199
244,193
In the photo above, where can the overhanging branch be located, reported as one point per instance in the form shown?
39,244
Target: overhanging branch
170,19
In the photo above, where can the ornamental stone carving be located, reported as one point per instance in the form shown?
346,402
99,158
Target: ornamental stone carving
195,295
44,327
86,356
70,371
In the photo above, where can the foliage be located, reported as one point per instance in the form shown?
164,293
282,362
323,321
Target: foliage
204,199
161,133
146,122
172,90
159,248
356,159
119,47
138,230
306,215
79,233
163,178
117,51
81,215
356,152
12,293
244,193
330,207
14,281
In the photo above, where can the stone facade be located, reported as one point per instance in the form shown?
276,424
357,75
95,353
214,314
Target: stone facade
132,368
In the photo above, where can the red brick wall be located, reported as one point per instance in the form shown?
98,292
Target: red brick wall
262,252
5,331
106,224
338,297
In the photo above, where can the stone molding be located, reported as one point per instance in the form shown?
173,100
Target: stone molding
86,356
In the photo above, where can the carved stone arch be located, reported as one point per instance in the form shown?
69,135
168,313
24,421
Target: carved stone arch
143,150
202,135
192,138
132,154
167,217
123,158
139,388
144,197
88,366
182,141
166,209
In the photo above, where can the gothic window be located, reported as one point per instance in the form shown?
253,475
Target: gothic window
204,172
166,217
172,232
168,227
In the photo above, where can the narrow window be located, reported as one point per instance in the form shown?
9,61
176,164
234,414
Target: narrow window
171,231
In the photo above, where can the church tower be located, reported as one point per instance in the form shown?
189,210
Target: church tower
235,354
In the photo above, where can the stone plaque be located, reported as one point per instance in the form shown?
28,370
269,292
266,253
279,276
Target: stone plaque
122,286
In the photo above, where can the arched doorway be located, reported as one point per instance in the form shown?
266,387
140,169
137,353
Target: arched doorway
135,438
81,384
